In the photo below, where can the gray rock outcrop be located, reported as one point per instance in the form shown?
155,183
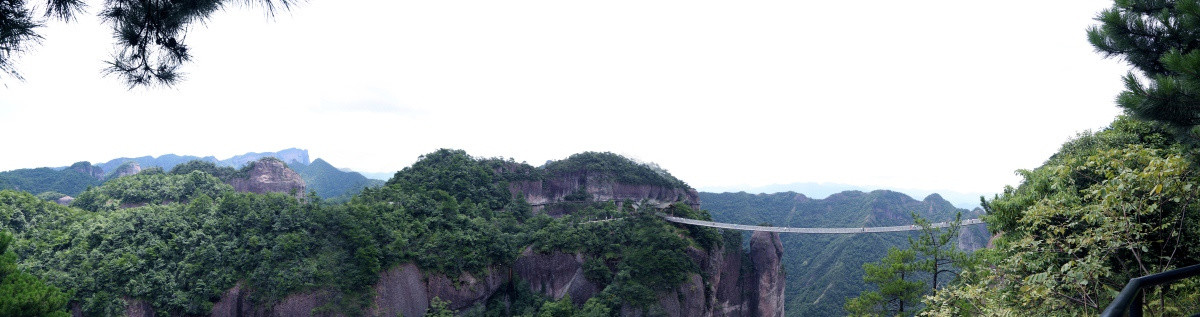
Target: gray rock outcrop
555,275
543,194
724,287
129,168
270,175
401,291
766,254
88,169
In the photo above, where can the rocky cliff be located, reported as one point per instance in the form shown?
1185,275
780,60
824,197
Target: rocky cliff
270,175
766,253
729,281
557,189
726,287
129,168
87,168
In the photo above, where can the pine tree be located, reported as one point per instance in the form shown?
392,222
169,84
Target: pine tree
1160,38
149,33
897,293
937,249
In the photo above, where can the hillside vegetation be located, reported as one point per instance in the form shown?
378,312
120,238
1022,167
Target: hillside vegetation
331,183
179,240
1109,206
69,181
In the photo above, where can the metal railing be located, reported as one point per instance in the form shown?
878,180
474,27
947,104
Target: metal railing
734,226
1129,302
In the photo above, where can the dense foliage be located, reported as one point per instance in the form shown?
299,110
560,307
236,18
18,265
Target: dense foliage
38,180
623,169
21,293
1158,38
179,240
1110,206
897,293
150,188
906,275
631,253
224,173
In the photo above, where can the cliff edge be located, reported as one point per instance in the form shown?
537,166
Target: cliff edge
270,175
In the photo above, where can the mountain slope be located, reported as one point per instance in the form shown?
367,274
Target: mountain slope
167,161
824,270
328,181
451,227
70,181
331,182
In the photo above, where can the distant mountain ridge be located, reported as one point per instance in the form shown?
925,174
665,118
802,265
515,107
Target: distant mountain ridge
320,176
966,200
168,161
824,270
331,182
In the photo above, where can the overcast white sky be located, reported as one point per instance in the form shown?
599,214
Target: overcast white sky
934,94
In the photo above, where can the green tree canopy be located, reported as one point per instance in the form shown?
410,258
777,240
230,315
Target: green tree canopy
1107,208
1161,38
898,291
22,294
149,34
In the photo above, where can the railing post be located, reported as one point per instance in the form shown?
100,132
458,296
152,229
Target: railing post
1135,310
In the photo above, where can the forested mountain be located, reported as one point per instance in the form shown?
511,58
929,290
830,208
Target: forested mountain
69,181
330,182
290,156
449,233
166,161
825,270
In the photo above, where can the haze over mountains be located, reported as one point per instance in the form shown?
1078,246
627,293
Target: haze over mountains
168,161
318,175
299,160
966,200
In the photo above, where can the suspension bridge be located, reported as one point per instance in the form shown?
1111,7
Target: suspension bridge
723,225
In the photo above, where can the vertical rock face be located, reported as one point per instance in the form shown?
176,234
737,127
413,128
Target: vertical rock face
137,308
87,168
129,168
766,254
401,291
725,287
599,188
232,303
555,275
729,286
270,175
468,290
686,300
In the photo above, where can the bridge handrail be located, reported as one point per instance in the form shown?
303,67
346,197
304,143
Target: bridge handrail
1124,304
809,230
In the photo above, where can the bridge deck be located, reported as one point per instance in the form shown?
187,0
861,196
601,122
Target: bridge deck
723,225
